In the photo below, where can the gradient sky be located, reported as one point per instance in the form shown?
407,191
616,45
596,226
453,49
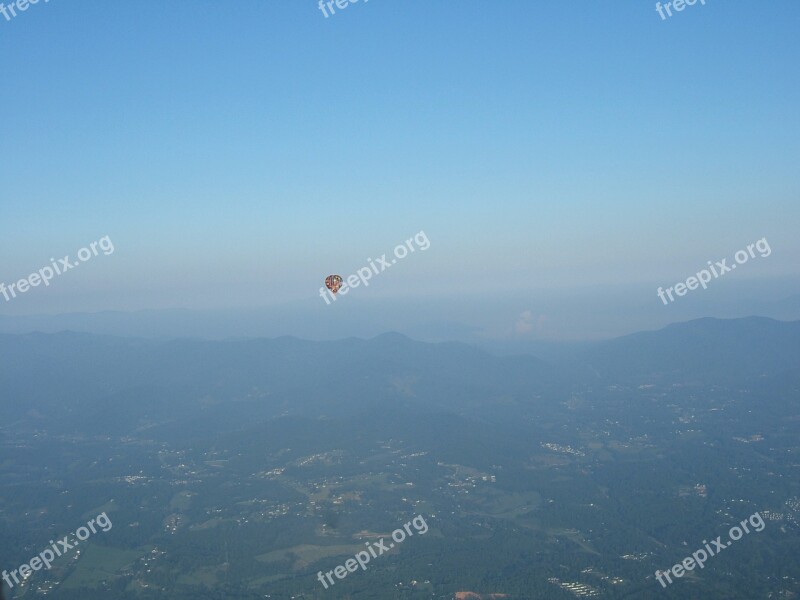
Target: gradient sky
236,153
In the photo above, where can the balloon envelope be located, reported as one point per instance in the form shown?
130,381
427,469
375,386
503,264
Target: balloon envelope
333,282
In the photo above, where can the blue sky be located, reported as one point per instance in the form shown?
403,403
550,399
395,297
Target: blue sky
237,153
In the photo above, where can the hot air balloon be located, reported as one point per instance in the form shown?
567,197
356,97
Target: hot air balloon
333,282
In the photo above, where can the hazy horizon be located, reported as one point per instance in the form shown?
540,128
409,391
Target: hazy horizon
597,313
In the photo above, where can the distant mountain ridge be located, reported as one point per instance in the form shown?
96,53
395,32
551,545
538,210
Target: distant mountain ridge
88,382
702,349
